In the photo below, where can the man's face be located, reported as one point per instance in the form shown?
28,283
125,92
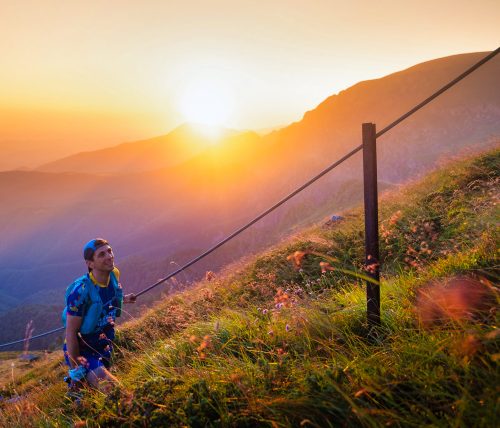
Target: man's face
103,260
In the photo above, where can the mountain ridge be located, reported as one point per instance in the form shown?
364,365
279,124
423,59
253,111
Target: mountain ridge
167,150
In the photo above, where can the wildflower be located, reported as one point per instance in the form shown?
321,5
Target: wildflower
395,217
361,392
270,333
469,346
193,338
325,266
282,299
428,227
493,334
372,268
235,377
411,250
205,344
458,299
287,328
296,258
264,311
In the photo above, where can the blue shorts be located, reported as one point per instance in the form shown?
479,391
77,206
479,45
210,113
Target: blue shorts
93,359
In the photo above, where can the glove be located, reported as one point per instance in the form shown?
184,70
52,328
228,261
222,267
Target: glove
78,373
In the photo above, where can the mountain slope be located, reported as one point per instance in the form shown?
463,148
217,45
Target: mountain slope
268,344
469,112
156,218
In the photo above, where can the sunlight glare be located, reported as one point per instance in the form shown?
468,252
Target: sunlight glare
207,103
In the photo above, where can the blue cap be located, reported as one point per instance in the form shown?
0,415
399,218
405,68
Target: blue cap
91,247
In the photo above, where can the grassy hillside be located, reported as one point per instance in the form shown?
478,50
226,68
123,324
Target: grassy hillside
275,342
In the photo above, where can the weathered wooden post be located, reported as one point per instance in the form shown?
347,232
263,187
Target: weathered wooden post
371,223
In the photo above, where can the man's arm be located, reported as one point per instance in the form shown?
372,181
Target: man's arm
73,324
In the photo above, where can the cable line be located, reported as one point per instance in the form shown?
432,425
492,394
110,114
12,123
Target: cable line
255,220
34,337
298,190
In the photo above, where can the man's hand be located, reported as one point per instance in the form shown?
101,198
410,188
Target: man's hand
129,298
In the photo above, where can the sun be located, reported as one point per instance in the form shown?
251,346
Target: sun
206,103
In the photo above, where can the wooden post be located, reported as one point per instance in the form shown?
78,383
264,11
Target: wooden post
371,223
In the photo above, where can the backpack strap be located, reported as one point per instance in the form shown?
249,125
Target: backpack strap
93,311
115,281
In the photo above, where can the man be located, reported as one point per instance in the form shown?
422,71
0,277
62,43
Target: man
93,302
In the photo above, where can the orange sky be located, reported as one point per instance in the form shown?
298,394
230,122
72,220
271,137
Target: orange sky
83,75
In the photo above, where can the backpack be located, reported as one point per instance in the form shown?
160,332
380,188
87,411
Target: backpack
93,306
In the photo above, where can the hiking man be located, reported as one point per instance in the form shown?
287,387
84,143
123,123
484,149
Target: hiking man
93,302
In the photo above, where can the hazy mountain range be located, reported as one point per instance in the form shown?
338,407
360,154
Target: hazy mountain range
163,200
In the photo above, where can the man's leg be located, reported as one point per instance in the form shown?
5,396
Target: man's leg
100,378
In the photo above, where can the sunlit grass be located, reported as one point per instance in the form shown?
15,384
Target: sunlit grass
280,343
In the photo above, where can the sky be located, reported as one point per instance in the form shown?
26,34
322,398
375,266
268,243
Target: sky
80,75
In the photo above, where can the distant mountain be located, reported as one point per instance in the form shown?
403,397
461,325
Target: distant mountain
163,206
172,149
